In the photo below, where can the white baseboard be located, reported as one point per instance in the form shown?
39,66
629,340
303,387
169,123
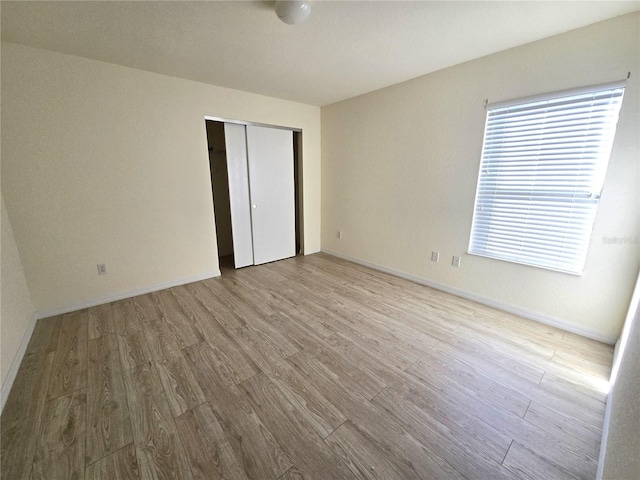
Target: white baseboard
17,361
122,295
490,302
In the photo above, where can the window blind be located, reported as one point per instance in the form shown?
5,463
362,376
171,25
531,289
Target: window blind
542,169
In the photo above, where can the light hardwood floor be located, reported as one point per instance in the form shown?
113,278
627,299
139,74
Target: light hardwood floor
307,368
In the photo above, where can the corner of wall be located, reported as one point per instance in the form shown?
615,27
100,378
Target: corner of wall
17,312
17,361
620,446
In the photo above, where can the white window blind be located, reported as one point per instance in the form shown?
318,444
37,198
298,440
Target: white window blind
543,165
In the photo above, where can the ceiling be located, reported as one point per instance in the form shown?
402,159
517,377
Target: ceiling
346,48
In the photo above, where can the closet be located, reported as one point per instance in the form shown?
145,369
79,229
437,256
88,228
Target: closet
259,201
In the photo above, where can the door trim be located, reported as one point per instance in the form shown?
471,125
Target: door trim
255,124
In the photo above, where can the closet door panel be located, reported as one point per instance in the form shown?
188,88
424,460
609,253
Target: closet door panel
236,145
271,185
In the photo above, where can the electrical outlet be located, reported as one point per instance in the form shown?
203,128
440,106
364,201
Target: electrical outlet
456,261
435,257
102,269
339,233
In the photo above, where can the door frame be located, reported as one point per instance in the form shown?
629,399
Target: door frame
298,171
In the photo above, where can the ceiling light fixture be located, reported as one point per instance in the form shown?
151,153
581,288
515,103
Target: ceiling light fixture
293,12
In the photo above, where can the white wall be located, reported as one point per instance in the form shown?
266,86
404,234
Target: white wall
109,164
620,449
400,165
16,311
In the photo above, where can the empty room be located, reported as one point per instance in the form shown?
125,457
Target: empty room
331,240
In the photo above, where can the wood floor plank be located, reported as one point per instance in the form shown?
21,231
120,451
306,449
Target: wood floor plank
573,430
181,388
311,315
120,465
277,340
241,365
305,448
339,370
394,354
374,363
545,444
189,308
380,325
310,403
497,354
292,474
586,346
596,363
484,381
555,394
161,451
472,447
161,340
592,399
108,424
146,308
348,288
215,334
22,415
45,335
209,452
133,349
541,333
70,367
511,352
61,441
389,435
508,373
471,382
413,458
261,352
296,330
335,383
256,449
367,457
228,301
100,321
218,310
361,455
286,346
127,318
541,346
373,320
525,464
172,315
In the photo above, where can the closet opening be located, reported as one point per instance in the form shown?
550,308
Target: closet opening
256,179
220,191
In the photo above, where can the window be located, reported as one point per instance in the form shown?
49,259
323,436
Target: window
543,165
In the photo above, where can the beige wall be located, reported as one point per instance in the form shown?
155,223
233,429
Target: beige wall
400,165
16,310
108,164
620,454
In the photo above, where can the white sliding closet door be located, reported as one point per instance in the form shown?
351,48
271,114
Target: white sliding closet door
236,145
271,187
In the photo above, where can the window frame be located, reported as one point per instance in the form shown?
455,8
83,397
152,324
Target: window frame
605,158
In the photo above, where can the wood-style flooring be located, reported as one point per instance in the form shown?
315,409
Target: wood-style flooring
307,368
